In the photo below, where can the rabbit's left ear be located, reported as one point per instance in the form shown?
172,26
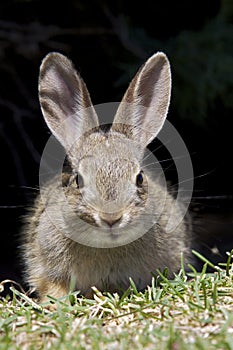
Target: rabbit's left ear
144,107
65,100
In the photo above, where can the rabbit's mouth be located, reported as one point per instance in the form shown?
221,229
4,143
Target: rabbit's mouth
107,222
110,220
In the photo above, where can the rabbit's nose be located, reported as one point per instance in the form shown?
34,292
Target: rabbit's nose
110,219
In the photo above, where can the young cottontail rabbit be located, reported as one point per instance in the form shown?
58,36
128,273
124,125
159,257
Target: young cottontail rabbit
105,221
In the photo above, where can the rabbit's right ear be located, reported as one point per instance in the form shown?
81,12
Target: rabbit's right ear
144,107
64,100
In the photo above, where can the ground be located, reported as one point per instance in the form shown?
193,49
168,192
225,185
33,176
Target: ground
192,311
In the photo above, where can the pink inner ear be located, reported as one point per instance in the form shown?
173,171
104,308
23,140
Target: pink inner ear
147,87
61,90
55,80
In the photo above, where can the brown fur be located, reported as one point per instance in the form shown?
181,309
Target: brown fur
110,199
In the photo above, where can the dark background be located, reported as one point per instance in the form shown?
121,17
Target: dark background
108,42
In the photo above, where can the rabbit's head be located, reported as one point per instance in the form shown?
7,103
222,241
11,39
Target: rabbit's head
108,188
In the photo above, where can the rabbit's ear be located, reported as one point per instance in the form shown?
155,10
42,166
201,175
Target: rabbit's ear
64,99
144,107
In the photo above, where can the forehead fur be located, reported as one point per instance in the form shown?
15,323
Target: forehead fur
109,163
106,148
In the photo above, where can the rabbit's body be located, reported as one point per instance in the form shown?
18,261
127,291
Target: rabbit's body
109,196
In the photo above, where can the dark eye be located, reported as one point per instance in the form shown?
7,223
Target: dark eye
139,179
79,181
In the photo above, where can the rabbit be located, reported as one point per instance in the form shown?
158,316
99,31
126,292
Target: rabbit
108,195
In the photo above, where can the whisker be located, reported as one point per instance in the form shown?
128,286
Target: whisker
162,145
167,160
30,188
184,181
183,191
156,149
150,154
166,169
228,197
12,206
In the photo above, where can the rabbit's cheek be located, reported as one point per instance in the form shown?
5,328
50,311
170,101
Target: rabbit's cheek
125,220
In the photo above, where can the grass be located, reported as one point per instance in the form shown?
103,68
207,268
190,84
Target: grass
193,311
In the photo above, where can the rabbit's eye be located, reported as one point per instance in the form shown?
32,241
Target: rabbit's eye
139,179
79,181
